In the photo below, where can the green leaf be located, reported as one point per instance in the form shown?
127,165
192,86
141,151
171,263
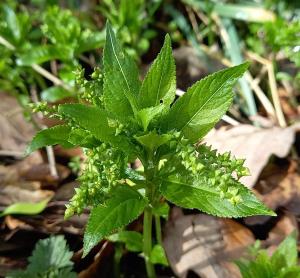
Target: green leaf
89,41
44,53
50,136
200,108
162,209
153,140
146,115
121,82
235,11
286,254
50,253
90,118
159,85
25,208
12,22
194,194
133,240
83,138
55,93
260,268
158,255
292,271
123,207
96,121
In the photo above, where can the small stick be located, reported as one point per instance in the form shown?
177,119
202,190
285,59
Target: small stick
273,86
275,96
49,149
38,68
257,90
11,153
193,21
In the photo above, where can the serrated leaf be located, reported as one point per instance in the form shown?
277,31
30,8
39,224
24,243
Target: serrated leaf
50,136
51,253
146,115
90,118
121,82
133,240
83,138
96,121
194,195
159,85
152,140
55,93
199,109
124,206
25,208
158,255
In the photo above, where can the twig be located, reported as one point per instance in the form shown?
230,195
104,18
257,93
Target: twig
49,149
15,154
257,90
275,96
38,68
273,86
261,96
194,24
260,75
53,66
50,76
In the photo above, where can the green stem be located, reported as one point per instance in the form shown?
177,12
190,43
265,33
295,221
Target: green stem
117,259
147,233
158,229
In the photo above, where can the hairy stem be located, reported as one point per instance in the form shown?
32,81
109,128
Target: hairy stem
147,233
158,229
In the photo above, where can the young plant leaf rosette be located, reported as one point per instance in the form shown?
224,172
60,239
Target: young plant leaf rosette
128,119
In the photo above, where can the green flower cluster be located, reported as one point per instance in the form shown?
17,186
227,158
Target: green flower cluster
204,165
91,89
103,169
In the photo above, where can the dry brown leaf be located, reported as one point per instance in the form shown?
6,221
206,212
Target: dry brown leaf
15,131
24,192
284,192
99,267
254,144
206,245
13,223
284,227
42,173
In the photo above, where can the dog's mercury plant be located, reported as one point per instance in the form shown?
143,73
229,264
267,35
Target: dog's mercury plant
120,119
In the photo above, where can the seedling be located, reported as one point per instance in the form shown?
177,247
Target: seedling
282,264
128,119
50,258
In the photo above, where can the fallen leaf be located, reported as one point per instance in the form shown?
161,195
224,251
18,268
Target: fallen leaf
41,172
15,131
254,144
206,245
280,189
28,192
13,223
284,227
